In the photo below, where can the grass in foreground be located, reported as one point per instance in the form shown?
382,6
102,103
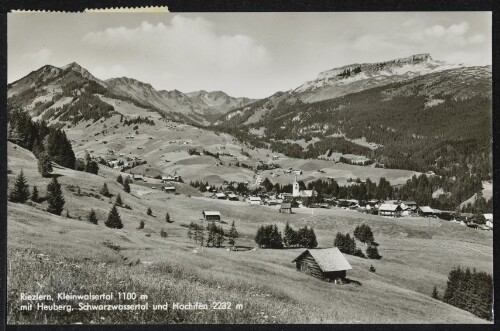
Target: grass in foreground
32,273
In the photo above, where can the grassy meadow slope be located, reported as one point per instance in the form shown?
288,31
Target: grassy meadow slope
49,254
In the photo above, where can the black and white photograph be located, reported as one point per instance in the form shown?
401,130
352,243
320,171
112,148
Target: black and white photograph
249,168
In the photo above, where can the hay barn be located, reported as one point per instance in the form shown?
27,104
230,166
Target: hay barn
328,264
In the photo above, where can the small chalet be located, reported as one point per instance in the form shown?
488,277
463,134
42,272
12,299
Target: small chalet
286,208
425,211
219,196
169,189
328,264
211,215
387,209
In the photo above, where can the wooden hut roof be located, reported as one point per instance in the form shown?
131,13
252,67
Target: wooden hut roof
328,259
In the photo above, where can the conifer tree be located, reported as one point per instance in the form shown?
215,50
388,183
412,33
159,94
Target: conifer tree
118,200
233,234
119,179
92,217
114,220
104,190
44,164
34,194
141,225
167,218
126,187
149,212
20,193
55,197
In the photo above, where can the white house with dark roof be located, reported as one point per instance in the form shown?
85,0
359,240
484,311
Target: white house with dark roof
389,209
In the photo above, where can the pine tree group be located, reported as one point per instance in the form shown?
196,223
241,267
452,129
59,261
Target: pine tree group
196,232
304,237
55,197
114,220
364,234
215,235
20,193
268,236
471,291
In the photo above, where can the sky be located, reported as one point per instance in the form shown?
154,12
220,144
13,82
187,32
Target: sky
243,54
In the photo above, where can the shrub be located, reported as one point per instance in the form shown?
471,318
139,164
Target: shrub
104,190
126,186
92,217
163,233
372,268
372,252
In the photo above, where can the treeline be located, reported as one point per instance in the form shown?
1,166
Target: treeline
480,205
138,120
469,290
42,140
268,236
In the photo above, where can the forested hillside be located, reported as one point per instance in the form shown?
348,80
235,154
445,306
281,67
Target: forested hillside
439,122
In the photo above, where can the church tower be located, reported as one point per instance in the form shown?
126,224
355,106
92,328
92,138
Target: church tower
296,189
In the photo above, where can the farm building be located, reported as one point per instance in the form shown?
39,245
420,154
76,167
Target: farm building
409,205
489,220
255,200
169,189
211,215
425,211
137,177
286,208
386,209
327,264
233,197
170,178
219,196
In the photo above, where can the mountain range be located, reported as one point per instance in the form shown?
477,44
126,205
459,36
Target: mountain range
412,113
51,87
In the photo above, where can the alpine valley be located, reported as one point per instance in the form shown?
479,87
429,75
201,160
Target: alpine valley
114,186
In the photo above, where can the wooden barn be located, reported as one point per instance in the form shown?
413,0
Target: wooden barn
211,215
328,263
286,208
